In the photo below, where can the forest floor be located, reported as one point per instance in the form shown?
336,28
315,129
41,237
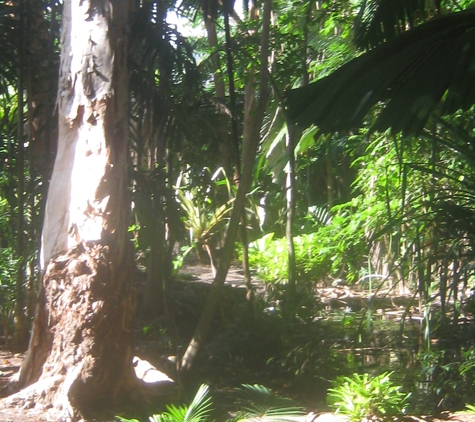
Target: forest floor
157,340
11,362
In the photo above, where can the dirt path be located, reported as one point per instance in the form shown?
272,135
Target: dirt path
10,364
235,277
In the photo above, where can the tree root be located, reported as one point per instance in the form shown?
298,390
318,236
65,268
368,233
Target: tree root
148,393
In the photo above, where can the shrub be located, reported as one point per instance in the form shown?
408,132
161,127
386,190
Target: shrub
361,397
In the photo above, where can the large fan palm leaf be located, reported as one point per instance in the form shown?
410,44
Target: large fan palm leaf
412,74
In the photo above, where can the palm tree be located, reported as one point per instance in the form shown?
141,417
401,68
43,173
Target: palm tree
164,82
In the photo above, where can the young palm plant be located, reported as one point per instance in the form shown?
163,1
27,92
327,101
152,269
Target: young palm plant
204,218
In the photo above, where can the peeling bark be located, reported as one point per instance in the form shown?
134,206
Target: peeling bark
83,331
86,196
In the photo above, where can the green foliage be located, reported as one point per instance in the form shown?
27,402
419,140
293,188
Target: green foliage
201,220
332,249
8,270
362,396
204,215
268,258
448,378
341,101
180,258
337,242
469,408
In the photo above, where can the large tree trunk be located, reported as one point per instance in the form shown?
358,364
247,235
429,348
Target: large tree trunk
80,354
81,351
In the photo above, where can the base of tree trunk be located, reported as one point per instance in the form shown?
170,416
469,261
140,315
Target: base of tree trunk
79,363
50,400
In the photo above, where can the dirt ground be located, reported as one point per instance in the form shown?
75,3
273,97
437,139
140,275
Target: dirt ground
10,364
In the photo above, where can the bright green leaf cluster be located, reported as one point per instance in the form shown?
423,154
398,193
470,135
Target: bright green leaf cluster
362,396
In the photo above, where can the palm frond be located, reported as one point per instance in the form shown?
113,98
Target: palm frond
197,411
320,214
200,407
201,220
412,74
261,404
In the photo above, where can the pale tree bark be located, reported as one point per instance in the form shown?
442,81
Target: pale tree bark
80,356
254,110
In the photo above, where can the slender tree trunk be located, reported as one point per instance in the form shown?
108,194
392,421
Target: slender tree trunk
250,294
237,164
20,334
330,183
154,289
80,354
213,43
224,145
219,86
158,267
290,198
291,142
254,109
